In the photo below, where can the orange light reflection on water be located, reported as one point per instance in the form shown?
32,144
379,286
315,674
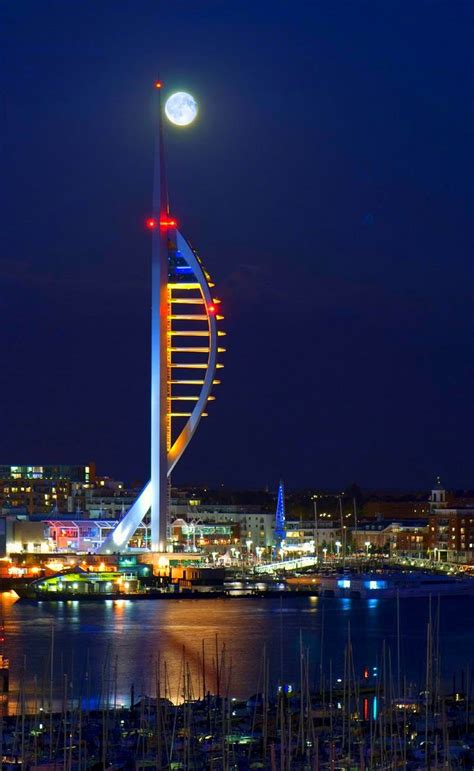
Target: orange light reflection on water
9,598
184,645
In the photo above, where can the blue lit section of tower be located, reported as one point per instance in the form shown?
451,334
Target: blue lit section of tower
184,353
280,532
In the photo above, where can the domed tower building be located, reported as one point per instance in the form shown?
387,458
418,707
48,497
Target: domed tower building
438,496
451,527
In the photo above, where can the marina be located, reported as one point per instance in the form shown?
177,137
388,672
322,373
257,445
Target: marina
292,730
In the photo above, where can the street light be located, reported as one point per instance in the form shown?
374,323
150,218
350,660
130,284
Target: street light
367,546
249,549
193,524
315,507
338,545
325,551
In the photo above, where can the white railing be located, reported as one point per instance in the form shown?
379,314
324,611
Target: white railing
289,564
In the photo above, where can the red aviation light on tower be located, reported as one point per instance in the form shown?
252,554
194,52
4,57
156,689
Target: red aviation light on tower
167,222
211,309
164,222
158,84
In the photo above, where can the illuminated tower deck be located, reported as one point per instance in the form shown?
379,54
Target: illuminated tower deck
184,352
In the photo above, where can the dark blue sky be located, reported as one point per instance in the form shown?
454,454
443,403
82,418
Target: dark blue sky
328,188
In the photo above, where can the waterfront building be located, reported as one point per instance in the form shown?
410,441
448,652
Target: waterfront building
258,529
451,528
227,511
207,527
410,539
77,535
397,507
245,529
24,534
86,474
196,534
106,502
302,536
404,538
42,489
445,531
372,537
20,534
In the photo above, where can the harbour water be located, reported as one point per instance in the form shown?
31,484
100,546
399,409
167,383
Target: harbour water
127,637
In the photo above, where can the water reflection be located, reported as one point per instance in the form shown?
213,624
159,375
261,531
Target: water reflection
123,643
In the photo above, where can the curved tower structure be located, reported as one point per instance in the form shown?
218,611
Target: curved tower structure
184,353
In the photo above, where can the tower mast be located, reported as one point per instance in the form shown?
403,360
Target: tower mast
160,413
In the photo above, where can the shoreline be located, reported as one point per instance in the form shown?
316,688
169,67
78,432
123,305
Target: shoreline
259,595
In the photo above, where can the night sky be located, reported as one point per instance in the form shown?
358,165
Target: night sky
328,187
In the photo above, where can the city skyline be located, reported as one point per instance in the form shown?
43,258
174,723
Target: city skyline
361,369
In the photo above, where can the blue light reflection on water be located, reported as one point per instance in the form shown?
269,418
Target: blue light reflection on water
374,708
130,635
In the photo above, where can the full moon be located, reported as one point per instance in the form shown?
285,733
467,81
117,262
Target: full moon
181,108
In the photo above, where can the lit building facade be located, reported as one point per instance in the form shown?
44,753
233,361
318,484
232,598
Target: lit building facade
451,528
451,535
77,535
224,527
204,536
18,534
404,538
302,536
85,474
259,529
105,502
42,489
411,539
